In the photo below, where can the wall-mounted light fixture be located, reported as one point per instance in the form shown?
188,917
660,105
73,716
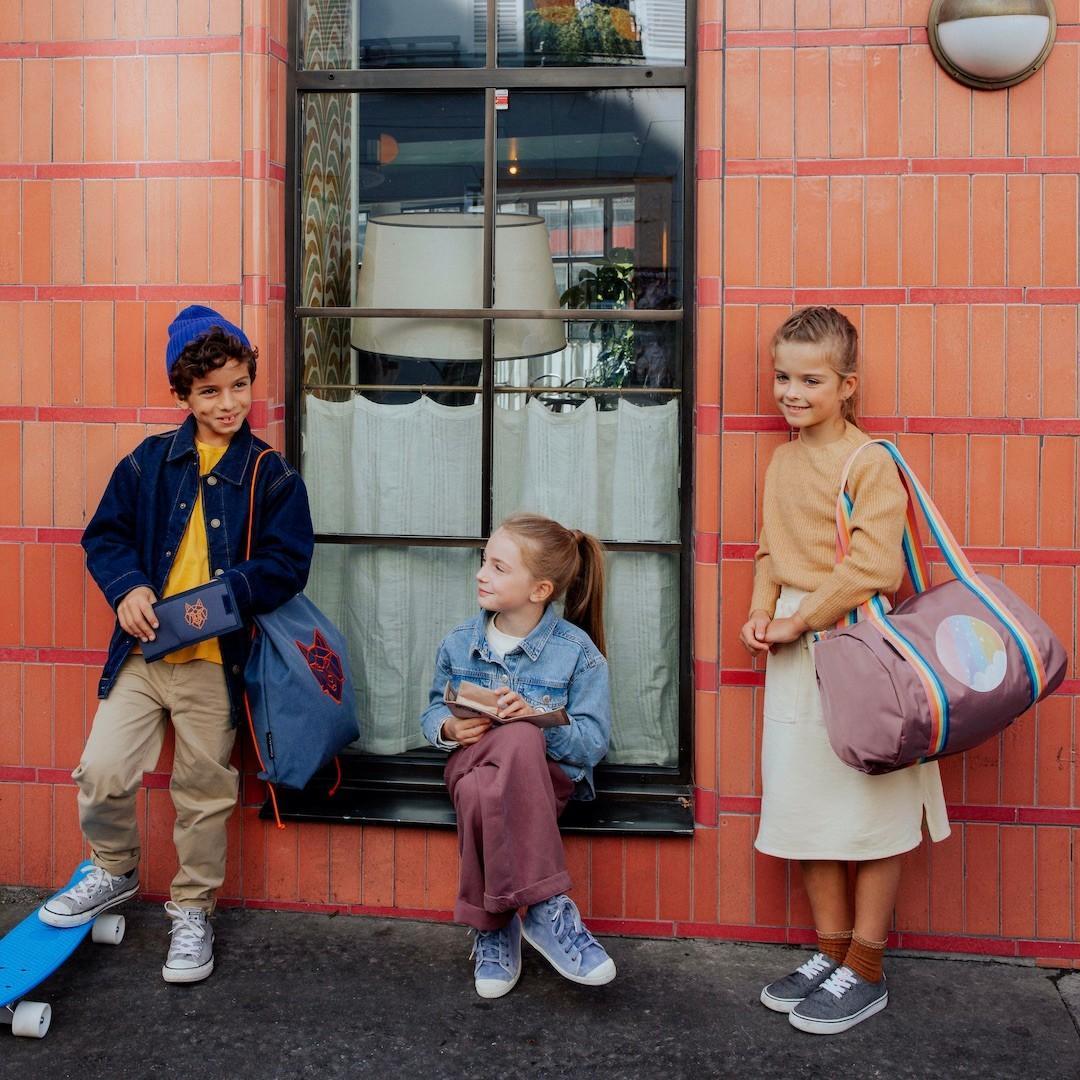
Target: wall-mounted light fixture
991,44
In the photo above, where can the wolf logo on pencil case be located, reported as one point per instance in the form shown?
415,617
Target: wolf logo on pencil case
192,616
195,615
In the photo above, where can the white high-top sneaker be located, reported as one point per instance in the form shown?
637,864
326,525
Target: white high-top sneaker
191,950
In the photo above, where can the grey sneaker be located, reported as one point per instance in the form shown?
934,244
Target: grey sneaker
843,1000
191,951
92,894
497,955
784,994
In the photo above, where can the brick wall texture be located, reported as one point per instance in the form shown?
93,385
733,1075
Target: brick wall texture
142,168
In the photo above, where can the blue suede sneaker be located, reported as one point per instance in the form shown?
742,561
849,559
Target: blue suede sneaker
553,928
498,959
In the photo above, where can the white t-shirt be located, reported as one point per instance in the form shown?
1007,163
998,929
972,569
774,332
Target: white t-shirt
500,642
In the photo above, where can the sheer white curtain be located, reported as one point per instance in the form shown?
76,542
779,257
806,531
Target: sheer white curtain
415,469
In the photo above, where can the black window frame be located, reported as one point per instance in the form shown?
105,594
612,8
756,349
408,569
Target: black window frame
408,789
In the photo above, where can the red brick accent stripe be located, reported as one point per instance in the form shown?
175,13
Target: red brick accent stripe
922,425
752,677
168,46
120,292
711,166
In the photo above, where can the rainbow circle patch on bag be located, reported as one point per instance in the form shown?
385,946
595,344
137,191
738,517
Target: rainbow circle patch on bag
971,651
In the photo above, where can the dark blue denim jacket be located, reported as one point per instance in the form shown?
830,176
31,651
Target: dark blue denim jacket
134,534
557,665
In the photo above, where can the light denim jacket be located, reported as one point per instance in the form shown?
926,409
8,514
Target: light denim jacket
557,665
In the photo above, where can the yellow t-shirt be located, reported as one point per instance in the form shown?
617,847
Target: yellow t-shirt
192,565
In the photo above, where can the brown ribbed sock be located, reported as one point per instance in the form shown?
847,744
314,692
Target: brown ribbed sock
834,946
864,958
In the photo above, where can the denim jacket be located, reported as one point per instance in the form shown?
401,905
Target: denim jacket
557,665
136,530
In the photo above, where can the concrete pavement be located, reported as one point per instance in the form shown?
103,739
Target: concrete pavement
300,995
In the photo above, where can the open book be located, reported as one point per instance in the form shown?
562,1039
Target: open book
473,700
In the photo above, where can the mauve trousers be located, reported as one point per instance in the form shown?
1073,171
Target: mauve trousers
508,796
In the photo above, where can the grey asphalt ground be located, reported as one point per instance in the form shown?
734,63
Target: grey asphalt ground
301,995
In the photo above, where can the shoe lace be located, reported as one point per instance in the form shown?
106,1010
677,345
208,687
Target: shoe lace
490,946
188,930
567,927
839,982
815,965
90,885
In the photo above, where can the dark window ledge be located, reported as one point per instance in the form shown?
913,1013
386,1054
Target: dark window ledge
666,811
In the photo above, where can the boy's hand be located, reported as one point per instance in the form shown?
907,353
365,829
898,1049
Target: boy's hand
136,615
512,706
464,730
782,631
752,635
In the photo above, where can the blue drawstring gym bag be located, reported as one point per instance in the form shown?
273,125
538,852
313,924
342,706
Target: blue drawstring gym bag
299,693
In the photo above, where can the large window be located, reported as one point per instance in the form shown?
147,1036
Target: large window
488,272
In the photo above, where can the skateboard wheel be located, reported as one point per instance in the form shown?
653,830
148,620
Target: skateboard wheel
108,930
31,1019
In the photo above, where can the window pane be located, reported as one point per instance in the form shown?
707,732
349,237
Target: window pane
604,170
583,358
573,33
394,606
642,624
604,462
384,460
393,34
370,162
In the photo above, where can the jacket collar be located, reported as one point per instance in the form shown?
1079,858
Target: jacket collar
233,464
532,645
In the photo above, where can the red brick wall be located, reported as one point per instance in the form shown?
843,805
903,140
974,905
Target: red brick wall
142,169
845,167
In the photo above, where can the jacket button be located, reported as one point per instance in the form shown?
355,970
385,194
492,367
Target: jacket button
211,480
236,669
183,506
214,523
218,573
168,554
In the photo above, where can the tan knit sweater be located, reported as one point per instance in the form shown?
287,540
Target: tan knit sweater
798,535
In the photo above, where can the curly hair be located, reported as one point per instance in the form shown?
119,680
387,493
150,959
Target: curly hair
207,353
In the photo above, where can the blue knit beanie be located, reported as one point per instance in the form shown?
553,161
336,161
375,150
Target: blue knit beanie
191,323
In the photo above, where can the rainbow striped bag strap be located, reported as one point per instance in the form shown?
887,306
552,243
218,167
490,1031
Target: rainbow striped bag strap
915,561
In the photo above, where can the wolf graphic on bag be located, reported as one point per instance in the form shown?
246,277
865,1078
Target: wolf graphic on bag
943,671
301,699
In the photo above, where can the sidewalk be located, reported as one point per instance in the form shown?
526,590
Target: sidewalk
311,995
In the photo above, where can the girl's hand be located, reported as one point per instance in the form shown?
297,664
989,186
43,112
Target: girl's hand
782,631
465,730
752,635
512,706
135,614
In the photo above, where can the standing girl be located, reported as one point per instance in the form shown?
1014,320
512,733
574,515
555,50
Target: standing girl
814,808
510,781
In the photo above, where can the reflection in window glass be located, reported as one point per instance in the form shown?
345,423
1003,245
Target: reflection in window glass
604,169
377,155
635,356
575,33
344,34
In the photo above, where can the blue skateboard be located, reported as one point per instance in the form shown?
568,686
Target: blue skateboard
33,950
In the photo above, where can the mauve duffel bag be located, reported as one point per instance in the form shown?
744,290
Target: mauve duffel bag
945,670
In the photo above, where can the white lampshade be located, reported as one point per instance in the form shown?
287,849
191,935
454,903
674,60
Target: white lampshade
990,44
436,260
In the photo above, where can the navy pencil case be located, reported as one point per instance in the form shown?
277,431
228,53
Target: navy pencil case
188,617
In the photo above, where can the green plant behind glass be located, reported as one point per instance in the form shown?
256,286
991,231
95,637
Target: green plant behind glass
608,284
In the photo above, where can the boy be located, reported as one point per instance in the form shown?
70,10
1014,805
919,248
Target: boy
174,515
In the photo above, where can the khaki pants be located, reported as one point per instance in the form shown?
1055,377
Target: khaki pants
125,742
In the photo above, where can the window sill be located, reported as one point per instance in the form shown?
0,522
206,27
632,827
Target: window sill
663,811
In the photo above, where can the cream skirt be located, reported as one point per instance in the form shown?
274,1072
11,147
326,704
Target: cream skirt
813,806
